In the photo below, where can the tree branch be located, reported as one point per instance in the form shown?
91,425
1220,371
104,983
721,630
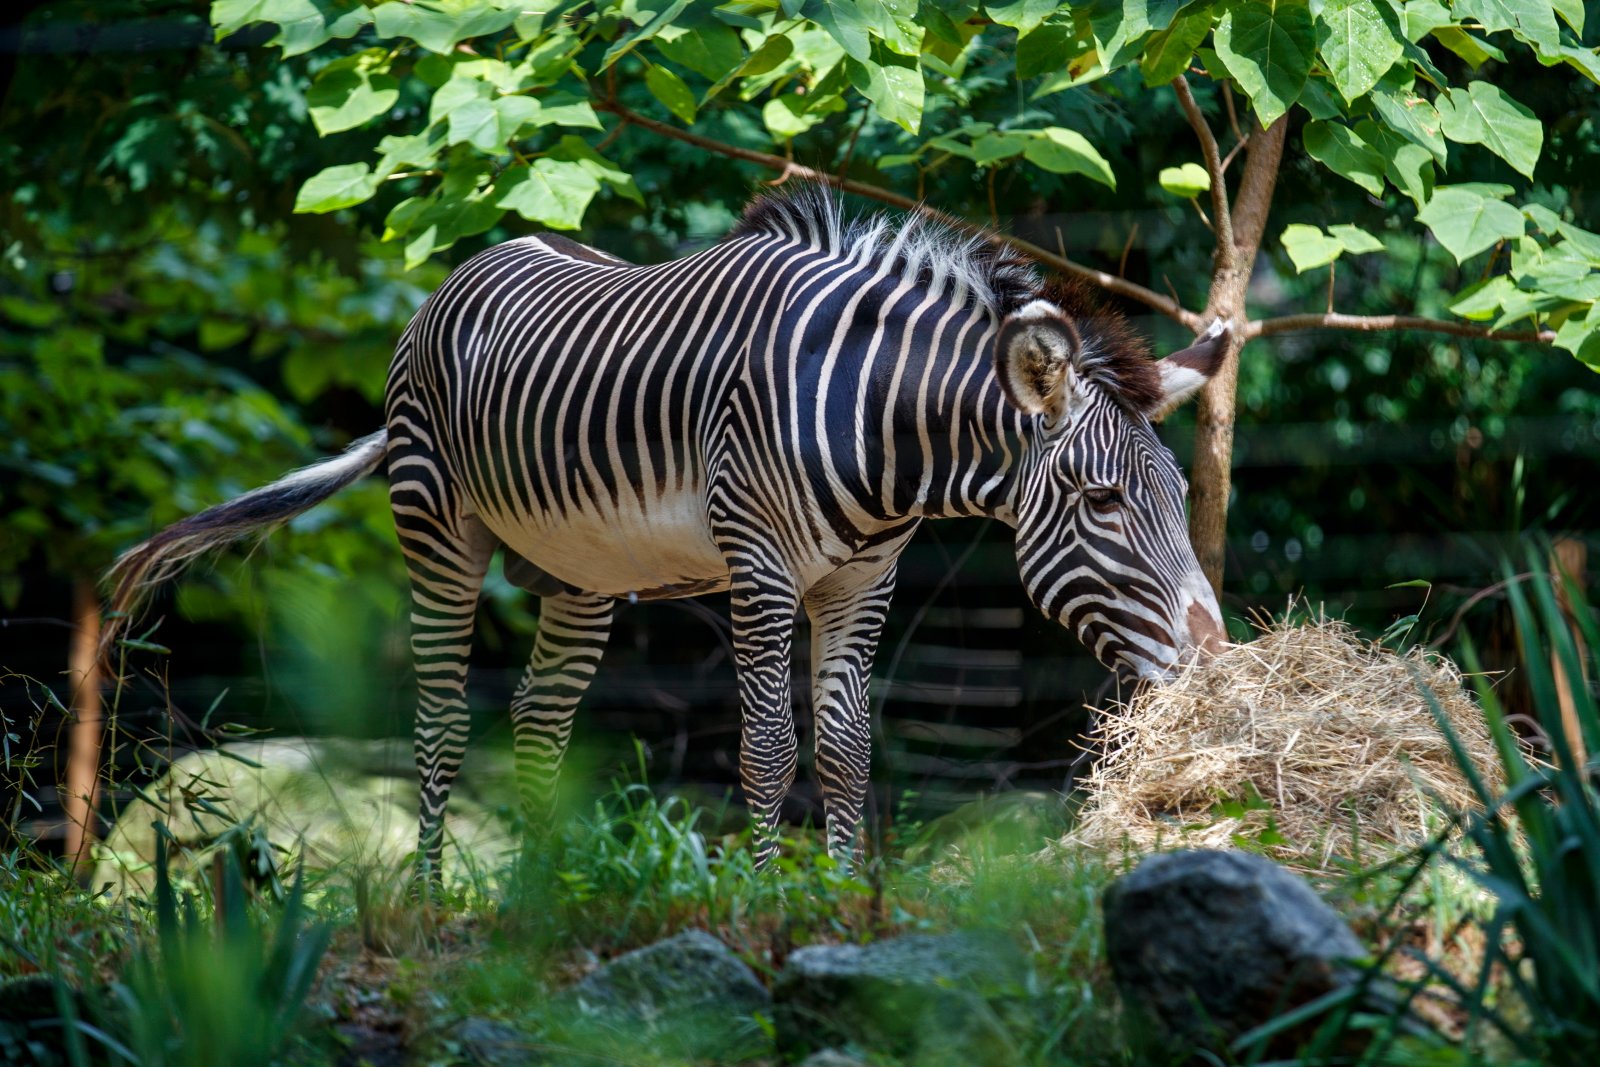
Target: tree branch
1227,254
1254,200
1370,323
787,169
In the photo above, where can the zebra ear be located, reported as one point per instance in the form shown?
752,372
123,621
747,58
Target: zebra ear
1033,358
1184,373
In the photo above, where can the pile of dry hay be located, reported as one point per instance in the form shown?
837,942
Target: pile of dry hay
1307,743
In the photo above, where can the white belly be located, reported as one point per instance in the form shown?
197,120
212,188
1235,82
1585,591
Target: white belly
664,551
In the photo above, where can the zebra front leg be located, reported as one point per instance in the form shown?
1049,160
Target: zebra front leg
446,561
763,614
573,629
847,611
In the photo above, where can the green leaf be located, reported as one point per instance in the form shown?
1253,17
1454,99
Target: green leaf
326,20
1267,46
1359,42
1064,151
773,51
668,88
1342,151
335,187
463,87
846,23
1040,52
1581,337
787,116
896,90
1534,21
1187,181
439,28
1408,166
1466,222
1571,12
1481,300
1584,242
1584,60
573,149
415,150
1168,53
1422,17
1021,15
1309,247
1356,241
1484,114
568,109
549,191
1413,118
990,148
894,23
1122,26
1476,52
710,51
476,122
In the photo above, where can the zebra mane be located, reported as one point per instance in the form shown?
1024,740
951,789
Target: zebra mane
940,255
1112,354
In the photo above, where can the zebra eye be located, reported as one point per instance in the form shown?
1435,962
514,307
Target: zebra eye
1103,496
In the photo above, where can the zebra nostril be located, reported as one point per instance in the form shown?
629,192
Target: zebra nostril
1206,634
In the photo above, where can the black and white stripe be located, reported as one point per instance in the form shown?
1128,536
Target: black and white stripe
773,416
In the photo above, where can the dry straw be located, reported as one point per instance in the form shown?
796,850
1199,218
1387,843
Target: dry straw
1308,743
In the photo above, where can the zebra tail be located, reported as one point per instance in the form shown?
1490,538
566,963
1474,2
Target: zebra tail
147,565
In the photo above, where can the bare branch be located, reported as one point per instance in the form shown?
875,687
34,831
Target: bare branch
787,168
1371,323
1222,223
1233,115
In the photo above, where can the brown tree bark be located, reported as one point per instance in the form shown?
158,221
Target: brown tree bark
80,784
1239,235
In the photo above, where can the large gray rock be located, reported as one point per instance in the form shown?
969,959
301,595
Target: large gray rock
332,802
687,996
927,999
1211,944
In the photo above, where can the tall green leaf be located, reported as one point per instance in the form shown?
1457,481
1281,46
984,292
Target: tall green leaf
1267,46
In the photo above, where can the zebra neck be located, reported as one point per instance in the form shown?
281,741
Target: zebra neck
972,453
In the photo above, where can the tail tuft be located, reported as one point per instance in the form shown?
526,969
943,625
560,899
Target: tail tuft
147,565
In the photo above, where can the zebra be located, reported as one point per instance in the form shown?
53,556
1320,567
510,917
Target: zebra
772,417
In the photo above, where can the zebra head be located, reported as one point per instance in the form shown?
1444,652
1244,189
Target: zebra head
1102,541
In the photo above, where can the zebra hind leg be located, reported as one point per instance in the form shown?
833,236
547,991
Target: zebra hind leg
847,612
573,630
446,561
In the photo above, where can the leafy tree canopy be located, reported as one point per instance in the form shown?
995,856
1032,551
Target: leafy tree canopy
490,108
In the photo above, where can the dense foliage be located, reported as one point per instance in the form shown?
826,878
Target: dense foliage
490,108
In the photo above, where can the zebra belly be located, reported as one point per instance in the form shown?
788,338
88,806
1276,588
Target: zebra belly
663,553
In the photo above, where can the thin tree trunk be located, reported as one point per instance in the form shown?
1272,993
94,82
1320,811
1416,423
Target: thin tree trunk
81,785
1212,475
1569,557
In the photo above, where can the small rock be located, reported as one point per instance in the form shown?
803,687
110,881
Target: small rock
487,1043
934,999
688,995
1211,944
